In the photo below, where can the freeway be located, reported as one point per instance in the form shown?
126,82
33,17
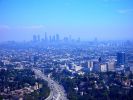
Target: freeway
57,92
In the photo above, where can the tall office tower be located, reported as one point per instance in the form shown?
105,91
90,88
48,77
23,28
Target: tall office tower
53,38
38,38
34,38
120,58
50,38
57,37
96,66
46,38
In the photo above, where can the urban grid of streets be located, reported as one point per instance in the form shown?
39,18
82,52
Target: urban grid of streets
56,91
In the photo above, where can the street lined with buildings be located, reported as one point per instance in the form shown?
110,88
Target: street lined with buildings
57,92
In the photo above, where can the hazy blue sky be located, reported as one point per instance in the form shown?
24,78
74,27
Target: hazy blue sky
104,19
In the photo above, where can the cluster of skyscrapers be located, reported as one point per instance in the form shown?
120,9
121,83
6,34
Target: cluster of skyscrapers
54,38
37,38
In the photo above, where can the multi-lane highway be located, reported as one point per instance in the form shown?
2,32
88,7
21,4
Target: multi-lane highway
56,91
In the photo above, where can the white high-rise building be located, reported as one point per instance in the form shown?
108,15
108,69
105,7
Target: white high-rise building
103,67
111,65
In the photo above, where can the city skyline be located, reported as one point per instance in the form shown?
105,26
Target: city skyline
66,50
87,19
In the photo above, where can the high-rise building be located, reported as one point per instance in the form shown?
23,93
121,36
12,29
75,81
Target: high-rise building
38,38
120,58
46,38
57,37
103,67
50,38
96,66
34,38
53,38
111,66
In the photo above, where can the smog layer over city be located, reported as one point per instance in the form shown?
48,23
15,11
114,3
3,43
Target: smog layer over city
66,50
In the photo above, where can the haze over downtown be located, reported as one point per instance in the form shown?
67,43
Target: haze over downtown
87,19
